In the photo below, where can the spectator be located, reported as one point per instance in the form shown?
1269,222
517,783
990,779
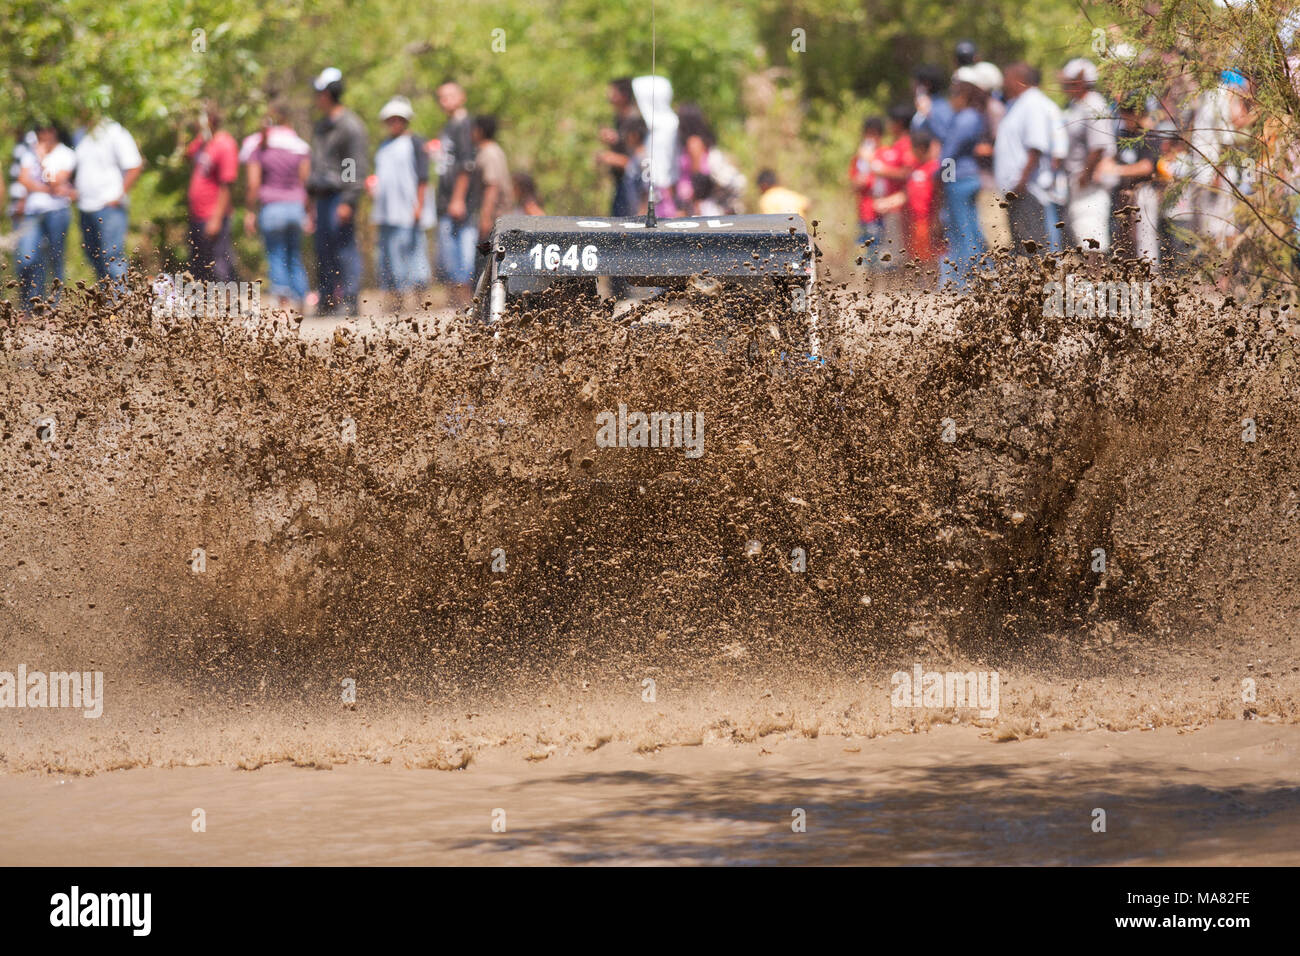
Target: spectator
636,172
933,110
26,140
993,216
965,53
1215,135
214,156
1135,202
922,208
654,98
526,201
278,161
614,156
1091,132
863,177
892,166
460,195
775,200
401,182
45,173
698,157
989,79
1176,172
339,149
968,128
108,165
1022,156
498,187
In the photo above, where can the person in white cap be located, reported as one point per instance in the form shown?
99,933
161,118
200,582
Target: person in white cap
993,217
1090,129
336,184
401,182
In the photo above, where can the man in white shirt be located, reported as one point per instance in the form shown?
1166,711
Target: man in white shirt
1090,128
108,165
1022,156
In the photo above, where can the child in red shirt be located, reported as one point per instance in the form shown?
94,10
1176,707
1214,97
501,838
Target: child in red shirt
917,197
870,230
923,245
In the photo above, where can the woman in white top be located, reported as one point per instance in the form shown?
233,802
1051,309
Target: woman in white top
45,171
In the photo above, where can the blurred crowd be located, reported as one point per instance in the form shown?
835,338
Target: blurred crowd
983,160
980,159
458,183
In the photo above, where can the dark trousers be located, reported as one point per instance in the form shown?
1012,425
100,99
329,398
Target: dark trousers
338,260
212,258
1028,221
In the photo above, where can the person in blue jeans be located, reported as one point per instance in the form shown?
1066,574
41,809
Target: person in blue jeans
278,163
281,226
45,172
960,174
108,165
400,188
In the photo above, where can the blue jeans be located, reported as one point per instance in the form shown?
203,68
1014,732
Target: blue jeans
280,224
42,240
338,260
965,241
871,237
399,254
1051,215
103,236
456,252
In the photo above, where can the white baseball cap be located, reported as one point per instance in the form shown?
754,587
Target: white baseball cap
990,77
331,74
397,106
967,74
1080,69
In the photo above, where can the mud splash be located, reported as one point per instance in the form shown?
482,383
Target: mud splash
243,516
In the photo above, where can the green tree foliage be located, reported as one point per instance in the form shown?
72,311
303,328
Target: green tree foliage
1177,53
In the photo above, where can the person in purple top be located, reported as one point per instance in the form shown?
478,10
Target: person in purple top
278,161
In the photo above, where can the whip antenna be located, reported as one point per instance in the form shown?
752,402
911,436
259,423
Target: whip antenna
654,88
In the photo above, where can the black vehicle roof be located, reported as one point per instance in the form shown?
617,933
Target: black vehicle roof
693,225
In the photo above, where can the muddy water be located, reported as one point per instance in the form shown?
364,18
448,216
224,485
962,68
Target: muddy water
240,526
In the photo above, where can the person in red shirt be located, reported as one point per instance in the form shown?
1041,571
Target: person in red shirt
923,245
916,198
893,165
864,183
214,155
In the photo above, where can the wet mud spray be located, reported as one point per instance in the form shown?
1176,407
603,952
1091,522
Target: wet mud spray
232,522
